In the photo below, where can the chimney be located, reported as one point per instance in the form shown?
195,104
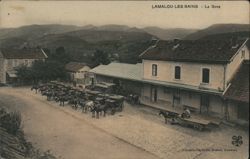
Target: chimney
176,41
234,42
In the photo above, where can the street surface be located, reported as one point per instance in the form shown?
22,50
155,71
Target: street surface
135,133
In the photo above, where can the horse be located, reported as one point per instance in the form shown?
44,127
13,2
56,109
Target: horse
82,104
35,87
133,99
62,98
89,104
96,110
166,115
74,101
93,107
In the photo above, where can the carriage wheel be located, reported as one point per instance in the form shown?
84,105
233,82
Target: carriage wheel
112,111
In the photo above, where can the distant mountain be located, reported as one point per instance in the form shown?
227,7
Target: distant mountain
218,29
35,31
106,35
230,35
122,42
89,33
168,34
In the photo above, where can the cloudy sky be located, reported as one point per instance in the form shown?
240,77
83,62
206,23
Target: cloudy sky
132,13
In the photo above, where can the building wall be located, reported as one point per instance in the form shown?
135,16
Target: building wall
11,64
191,73
233,110
80,74
187,98
235,63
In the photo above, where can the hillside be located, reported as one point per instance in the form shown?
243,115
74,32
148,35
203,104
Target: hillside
168,34
241,34
122,42
34,31
218,29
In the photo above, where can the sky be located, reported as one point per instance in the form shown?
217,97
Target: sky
131,13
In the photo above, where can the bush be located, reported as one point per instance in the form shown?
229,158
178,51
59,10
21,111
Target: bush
10,121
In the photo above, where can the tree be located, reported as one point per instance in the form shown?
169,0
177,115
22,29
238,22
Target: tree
60,55
24,74
100,57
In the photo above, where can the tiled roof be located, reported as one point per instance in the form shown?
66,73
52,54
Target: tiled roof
203,51
74,66
239,88
120,70
24,53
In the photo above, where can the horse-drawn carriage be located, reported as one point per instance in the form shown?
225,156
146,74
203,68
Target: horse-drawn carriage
86,99
177,118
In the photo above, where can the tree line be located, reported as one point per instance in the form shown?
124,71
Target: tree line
53,68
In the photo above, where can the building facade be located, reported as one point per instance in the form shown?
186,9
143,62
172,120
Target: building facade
191,74
77,72
182,74
237,95
10,59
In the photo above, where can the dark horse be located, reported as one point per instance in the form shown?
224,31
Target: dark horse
35,87
168,115
97,109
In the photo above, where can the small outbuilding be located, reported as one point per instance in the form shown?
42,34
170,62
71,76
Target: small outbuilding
77,71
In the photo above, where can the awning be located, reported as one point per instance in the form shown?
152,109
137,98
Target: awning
12,74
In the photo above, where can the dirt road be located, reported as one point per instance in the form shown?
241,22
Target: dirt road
51,128
136,132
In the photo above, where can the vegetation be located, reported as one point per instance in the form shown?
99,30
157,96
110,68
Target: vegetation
10,121
100,57
50,69
12,142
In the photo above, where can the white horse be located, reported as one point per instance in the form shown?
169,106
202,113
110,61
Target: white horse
89,105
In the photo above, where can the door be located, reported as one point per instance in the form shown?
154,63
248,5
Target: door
204,106
176,97
153,94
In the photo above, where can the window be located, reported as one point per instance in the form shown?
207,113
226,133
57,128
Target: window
243,54
154,70
205,75
177,74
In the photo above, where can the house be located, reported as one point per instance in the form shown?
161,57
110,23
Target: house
77,71
10,59
237,95
126,76
193,74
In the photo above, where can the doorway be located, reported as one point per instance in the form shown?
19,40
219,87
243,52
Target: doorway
176,97
204,104
153,94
